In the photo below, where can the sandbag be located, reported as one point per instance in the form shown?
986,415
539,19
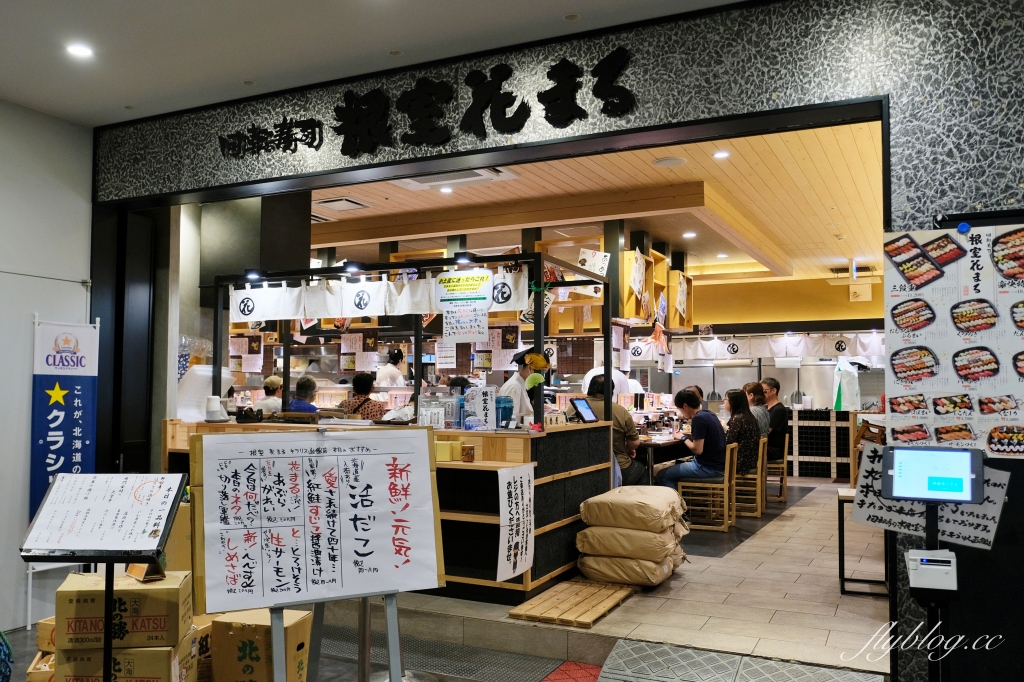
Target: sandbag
678,557
642,507
624,571
627,542
680,529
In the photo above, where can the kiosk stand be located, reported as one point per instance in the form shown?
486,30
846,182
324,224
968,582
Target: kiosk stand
933,476
76,524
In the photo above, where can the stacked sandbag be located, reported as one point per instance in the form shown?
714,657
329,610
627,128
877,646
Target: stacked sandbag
633,536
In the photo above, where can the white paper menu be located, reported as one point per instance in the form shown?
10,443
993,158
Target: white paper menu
104,512
955,336
293,517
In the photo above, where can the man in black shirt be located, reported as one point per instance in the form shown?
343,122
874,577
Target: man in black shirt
778,420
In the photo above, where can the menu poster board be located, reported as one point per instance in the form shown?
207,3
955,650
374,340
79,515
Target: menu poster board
973,525
955,338
105,514
366,362
294,517
515,544
463,297
445,354
351,343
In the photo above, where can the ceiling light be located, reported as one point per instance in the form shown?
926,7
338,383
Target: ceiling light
395,53
446,190
248,82
721,154
253,273
462,258
79,50
669,162
352,267
689,235
573,17
129,107
723,255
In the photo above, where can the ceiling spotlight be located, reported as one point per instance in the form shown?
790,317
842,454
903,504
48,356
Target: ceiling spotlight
352,267
721,154
723,255
79,50
446,190
253,273
248,82
462,258
689,235
395,53
129,107
573,17
669,162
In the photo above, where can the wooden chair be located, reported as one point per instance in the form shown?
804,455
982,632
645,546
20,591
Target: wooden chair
748,491
867,433
709,500
779,470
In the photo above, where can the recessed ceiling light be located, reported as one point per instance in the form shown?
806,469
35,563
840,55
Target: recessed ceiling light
395,53
669,162
573,17
129,107
79,50
689,235
248,82
446,190
723,255
721,154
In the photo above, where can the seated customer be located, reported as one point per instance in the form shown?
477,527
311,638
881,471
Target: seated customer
361,403
755,399
459,382
625,437
271,402
305,394
778,420
706,441
743,430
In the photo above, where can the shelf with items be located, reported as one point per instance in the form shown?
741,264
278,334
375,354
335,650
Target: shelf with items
676,320
632,304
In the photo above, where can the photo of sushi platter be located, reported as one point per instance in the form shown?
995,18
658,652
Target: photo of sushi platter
914,363
1018,363
952,404
974,316
997,404
912,315
944,250
913,433
975,363
1007,441
948,434
912,262
1017,314
907,404
1008,254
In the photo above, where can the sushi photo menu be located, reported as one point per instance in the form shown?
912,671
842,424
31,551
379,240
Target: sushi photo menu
955,338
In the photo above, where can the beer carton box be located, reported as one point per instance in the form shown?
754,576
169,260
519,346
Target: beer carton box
134,664
41,669
204,634
154,614
242,646
45,635
178,550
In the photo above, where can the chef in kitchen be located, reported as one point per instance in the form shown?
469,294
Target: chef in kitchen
527,361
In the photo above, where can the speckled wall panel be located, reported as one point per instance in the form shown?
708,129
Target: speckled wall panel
555,549
953,70
559,452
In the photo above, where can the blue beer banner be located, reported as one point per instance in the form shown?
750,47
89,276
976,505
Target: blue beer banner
63,404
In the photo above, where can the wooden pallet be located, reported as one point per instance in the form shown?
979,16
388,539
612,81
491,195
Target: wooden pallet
573,602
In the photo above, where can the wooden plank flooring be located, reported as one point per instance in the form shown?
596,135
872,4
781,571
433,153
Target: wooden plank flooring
578,603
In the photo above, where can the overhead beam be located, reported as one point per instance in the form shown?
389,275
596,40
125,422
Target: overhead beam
561,210
725,219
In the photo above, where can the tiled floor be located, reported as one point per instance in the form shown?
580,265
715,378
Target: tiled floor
571,671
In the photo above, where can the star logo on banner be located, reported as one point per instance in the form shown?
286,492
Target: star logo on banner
56,394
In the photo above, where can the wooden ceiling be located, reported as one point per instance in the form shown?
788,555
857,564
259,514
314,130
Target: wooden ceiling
788,204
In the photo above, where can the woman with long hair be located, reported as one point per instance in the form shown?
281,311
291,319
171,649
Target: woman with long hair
756,400
743,430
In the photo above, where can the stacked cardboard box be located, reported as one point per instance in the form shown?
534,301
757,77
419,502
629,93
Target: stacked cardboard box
242,649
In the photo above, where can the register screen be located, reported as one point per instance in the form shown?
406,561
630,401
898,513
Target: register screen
940,475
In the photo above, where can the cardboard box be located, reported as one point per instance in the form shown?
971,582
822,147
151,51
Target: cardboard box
244,639
198,553
150,614
135,664
178,550
44,635
41,669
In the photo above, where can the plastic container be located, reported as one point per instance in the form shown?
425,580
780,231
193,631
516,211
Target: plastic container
503,405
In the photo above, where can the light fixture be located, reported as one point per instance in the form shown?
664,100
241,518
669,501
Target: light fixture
723,255
462,258
128,107
721,154
573,17
446,190
79,50
395,53
253,273
352,267
689,235
248,82
669,161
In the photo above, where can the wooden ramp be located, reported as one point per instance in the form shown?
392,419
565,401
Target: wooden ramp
573,602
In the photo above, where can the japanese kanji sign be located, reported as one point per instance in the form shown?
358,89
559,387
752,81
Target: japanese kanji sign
515,544
63,404
294,517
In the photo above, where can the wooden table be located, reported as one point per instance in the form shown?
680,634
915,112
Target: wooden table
650,446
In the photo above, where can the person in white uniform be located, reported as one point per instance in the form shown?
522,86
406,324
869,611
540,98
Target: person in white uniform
515,388
620,382
389,375
271,402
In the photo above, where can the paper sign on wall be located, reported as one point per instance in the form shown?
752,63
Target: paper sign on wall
293,517
366,362
351,343
515,545
445,354
596,262
464,297
636,276
681,296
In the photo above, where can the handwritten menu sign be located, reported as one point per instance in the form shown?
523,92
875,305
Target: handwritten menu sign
293,517
446,354
955,338
105,512
515,545
973,525
463,297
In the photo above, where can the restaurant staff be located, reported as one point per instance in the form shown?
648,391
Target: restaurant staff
389,375
527,360
620,382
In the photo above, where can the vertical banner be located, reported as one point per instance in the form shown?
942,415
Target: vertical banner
63,404
515,545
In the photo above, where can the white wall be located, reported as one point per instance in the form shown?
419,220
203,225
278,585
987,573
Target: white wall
45,225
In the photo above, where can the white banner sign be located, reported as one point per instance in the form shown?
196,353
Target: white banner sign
292,517
515,543
266,303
